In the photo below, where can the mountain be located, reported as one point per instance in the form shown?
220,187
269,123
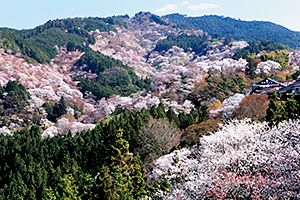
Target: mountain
151,87
61,32
103,65
240,30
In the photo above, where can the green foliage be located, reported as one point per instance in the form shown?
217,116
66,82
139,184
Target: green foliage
157,19
240,30
219,86
57,110
68,187
55,36
284,110
275,112
228,39
197,43
97,89
256,46
17,44
113,76
14,101
17,90
78,111
70,24
186,119
37,44
62,167
161,110
251,67
61,107
171,115
158,112
98,62
22,168
2,90
74,29
196,116
17,97
282,57
116,20
123,177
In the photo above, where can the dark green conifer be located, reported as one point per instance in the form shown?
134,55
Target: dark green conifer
275,112
203,113
153,111
123,177
161,110
171,115
2,90
291,109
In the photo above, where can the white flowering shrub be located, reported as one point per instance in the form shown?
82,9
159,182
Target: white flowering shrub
243,160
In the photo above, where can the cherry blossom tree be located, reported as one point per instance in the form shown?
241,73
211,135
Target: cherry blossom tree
243,160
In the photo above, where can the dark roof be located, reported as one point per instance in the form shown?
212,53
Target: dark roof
268,81
290,87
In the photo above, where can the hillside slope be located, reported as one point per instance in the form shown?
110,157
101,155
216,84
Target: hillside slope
240,30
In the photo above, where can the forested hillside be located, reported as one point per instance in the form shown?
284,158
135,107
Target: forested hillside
257,46
184,41
60,32
140,108
15,44
81,165
113,76
240,30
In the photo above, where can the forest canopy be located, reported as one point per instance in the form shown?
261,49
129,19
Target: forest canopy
196,43
60,32
257,46
113,76
92,164
16,44
240,30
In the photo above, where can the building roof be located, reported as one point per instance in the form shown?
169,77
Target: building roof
290,87
266,86
268,82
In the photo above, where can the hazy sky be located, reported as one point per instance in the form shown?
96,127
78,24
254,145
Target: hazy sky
25,14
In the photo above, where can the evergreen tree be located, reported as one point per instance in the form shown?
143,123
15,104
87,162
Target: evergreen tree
71,46
49,110
183,120
153,111
11,86
186,119
171,115
57,110
290,107
250,68
68,187
123,177
228,39
16,189
203,113
60,108
161,110
17,97
276,112
2,90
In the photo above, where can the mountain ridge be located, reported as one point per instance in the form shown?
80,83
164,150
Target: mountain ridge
240,29
212,24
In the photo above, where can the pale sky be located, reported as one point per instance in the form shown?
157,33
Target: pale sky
25,14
